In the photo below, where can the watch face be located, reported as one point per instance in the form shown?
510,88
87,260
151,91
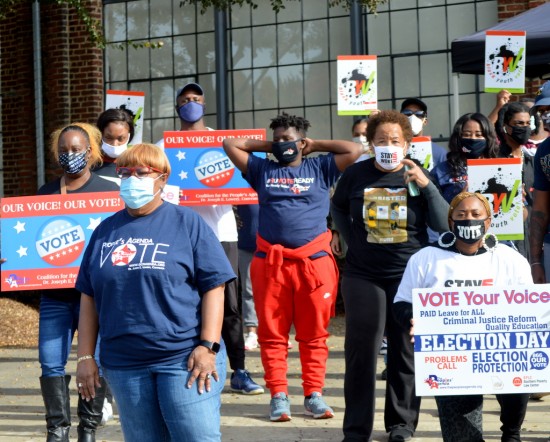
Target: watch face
215,347
212,346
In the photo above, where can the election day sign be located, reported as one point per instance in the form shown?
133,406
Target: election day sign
421,150
357,84
133,101
500,181
44,237
481,340
505,61
203,172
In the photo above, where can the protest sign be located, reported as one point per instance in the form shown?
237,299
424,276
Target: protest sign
482,339
203,172
44,237
421,150
133,101
505,61
499,180
357,84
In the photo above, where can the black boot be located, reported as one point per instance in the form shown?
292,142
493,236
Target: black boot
55,391
90,414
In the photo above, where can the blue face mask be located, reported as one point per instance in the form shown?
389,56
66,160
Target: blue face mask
285,151
73,163
473,147
136,192
191,112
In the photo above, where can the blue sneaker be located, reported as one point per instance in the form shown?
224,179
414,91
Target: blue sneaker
280,408
315,406
241,382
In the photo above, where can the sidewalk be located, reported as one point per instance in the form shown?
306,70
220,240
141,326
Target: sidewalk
244,418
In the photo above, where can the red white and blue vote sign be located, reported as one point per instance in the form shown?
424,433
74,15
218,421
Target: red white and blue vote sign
202,170
44,237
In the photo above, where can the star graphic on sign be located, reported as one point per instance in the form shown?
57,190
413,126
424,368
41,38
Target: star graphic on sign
94,222
183,175
180,155
19,227
22,251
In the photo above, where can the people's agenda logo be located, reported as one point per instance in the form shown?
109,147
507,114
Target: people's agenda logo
60,241
214,169
123,254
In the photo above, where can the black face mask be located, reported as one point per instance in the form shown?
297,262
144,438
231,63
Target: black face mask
469,230
285,151
520,134
473,147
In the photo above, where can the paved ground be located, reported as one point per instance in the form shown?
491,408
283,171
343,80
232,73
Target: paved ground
244,417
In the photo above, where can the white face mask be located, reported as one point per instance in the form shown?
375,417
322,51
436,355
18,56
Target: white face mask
114,151
416,124
361,139
388,157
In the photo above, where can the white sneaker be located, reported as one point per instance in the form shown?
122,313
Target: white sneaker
250,341
107,412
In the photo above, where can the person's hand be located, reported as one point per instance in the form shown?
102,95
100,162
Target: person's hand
414,173
411,331
202,366
335,244
537,271
309,146
503,97
87,378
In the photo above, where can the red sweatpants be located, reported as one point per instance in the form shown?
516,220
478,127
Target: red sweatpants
293,301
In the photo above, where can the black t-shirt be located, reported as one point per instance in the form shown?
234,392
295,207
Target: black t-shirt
107,171
388,225
94,184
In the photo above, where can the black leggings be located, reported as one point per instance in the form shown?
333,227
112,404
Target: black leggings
368,309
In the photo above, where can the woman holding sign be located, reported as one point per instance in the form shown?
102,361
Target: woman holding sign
382,207
76,149
466,254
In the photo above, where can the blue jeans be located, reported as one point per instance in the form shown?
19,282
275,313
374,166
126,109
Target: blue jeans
155,404
57,324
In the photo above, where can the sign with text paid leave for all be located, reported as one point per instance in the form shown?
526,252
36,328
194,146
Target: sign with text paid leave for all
202,170
505,61
44,237
480,339
357,84
421,150
133,101
500,181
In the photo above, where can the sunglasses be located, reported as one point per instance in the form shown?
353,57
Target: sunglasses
408,113
140,171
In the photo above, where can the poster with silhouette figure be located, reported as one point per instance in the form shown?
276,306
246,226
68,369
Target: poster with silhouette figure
505,61
357,84
500,181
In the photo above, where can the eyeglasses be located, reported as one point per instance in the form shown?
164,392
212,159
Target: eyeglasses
140,171
408,113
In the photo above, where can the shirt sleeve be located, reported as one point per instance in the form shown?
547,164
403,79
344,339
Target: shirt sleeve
541,181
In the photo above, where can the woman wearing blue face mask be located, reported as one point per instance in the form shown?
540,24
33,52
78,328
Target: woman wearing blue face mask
473,137
117,130
76,149
159,304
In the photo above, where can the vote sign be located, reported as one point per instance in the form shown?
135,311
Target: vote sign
44,237
202,170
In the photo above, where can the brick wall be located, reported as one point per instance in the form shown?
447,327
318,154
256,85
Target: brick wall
510,8
72,86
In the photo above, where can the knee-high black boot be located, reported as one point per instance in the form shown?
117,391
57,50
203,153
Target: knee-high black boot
90,413
55,392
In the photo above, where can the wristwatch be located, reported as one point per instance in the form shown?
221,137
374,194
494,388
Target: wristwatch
214,347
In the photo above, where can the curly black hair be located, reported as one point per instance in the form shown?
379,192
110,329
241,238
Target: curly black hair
285,120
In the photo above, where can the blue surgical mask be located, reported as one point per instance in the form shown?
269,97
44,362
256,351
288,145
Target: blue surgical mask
191,112
285,151
473,147
136,192
73,163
